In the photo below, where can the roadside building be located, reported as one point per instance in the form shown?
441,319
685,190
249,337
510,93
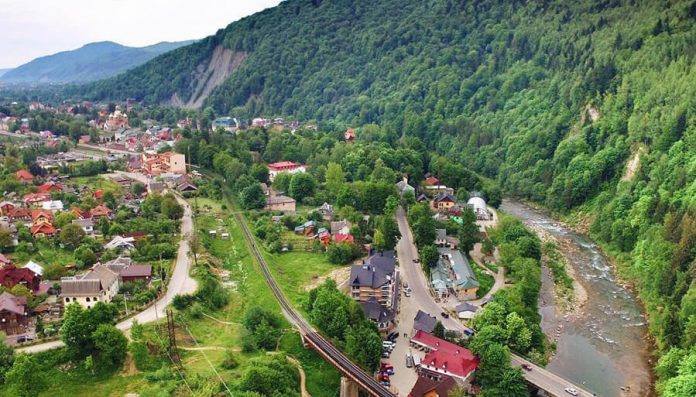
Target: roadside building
382,316
478,205
424,322
464,282
14,318
444,359
99,284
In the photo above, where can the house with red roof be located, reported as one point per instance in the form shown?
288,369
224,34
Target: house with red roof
344,238
80,214
85,139
157,164
43,230
100,211
432,181
50,187
444,358
24,176
41,216
11,275
37,198
284,166
19,214
98,194
14,317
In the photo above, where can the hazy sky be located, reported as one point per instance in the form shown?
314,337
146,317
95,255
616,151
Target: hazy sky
33,28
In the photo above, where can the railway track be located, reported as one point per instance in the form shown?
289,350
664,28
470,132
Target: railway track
328,351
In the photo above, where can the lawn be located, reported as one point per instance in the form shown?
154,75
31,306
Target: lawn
94,182
485,280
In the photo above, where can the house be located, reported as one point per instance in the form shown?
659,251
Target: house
35,267
375,278
85,139
11,275
120,244
35,199
349,135
478,205
79,213
444,358
24,176
324,236
168,162
426,387
284,166
431,181
136,273
14,318
306,228
424,322
464,283
443,201
41,216
229,124
52,205
43,230
6,207
466,311
440,237
87,225
19,214
50,187
402,186
440,282
100,211
99,284
156,187
280,203
119,264
383,316
340,227
344,238
186,187
326,210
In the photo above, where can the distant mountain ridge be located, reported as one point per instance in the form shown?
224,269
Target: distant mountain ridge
3,71
90,62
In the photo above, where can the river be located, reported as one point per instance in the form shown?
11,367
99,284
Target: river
603,347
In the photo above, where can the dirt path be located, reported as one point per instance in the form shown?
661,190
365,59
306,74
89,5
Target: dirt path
206,348
220,321
303,378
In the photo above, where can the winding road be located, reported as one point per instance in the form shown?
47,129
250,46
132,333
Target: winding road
180,282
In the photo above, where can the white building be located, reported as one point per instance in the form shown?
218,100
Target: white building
478,205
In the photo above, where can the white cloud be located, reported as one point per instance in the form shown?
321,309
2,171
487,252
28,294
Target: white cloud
33,28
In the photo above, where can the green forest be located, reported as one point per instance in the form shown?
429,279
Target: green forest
586,107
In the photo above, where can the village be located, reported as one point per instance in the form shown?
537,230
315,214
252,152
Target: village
124,264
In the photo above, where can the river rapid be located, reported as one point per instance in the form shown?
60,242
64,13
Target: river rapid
603,345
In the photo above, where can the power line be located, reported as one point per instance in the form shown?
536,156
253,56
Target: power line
178,370
208,360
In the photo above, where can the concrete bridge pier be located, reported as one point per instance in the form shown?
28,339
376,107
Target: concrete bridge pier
348,388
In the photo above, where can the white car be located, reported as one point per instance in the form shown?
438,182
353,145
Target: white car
571,391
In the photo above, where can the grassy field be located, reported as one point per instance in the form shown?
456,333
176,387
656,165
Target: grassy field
292,270
94,182
485,280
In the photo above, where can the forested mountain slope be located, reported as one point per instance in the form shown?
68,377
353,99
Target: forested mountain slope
586,104
90,62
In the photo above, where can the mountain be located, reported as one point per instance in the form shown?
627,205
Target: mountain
3,71
90,62
586,107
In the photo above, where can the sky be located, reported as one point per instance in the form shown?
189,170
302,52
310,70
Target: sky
34,28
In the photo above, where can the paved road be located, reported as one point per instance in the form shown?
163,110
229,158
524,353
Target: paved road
179,281
412,274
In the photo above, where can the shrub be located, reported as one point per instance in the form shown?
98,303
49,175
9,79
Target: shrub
230,361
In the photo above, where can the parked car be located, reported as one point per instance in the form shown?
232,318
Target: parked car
444,314
409,361
24,338
392,336
383,377
385,354
527,367
571,391
416,260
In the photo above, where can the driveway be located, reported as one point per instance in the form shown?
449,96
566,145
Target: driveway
180,282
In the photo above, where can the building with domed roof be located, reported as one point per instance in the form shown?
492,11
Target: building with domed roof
117,120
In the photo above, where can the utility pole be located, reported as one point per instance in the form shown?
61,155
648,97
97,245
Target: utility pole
173,350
